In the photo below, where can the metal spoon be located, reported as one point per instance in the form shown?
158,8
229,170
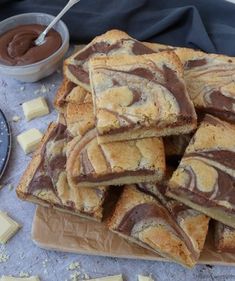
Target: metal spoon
41,38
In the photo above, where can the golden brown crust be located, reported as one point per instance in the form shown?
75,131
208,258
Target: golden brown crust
68,92
224,238
79,118
60,97
34,163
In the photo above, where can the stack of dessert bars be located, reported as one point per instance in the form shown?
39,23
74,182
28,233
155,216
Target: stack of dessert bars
154,120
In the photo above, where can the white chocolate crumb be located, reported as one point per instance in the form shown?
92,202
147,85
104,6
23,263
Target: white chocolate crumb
4,257
44,263
37,91
75,276
45,271
86,276
10,187
73,266
24,274
44,89
16,118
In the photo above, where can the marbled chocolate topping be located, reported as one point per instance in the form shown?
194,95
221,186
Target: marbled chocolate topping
59,133
87,167
170,81
138,213
223,115
40,182
146,211
223,189
216,99
177,88
79,68
158,191
81,163
140,49
195,63
69,87
211,85
97,48
81,74
56,165
47,172
224,157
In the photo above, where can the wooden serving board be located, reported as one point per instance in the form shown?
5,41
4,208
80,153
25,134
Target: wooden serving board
60,231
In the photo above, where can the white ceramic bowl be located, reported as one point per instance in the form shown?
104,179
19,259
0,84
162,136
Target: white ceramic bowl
36,71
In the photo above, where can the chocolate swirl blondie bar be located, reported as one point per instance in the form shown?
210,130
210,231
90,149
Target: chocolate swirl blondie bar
111,43
139,97
144,219
205,178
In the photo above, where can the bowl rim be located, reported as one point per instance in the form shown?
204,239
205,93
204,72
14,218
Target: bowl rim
63,45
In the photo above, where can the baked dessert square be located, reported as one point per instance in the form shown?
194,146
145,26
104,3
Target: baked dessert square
140,96
194,224
205,177
210,82
69,92
178,234
209,79
111,43
224,237
92,164
45,180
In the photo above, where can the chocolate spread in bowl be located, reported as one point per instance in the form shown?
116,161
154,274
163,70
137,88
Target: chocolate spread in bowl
17,45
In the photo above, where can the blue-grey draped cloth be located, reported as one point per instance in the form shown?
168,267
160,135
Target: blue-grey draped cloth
208,25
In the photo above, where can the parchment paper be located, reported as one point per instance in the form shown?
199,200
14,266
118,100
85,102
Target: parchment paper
56,230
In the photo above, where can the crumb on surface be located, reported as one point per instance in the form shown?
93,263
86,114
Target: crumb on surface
16,118
10,187
24,274
73,266
75,276
4,257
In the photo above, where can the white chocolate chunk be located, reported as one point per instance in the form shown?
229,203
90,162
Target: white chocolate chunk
29,140
9,278
8,227
144,278
35,108
108,278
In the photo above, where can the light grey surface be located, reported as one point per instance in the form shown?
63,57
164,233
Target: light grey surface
24,256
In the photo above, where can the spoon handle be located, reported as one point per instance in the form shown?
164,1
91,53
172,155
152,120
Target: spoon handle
58,17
